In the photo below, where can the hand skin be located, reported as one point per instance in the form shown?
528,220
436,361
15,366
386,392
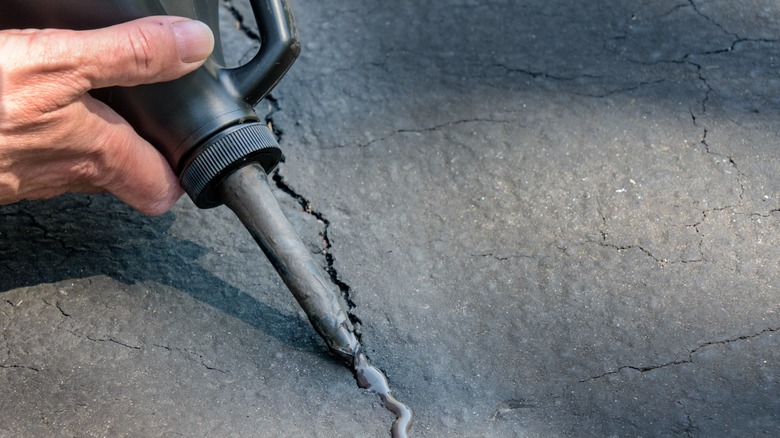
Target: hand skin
56,138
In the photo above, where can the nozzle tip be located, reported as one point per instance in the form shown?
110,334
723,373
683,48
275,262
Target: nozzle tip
344,344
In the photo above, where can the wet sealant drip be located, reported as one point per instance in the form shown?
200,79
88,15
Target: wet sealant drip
247,192
371,378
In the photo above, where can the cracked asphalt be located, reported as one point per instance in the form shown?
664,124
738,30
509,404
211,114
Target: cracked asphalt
552,218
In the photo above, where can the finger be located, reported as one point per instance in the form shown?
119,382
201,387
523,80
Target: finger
147,50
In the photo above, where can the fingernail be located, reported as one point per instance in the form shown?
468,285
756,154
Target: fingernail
194,40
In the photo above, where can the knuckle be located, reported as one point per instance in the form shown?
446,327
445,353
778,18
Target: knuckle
9,188
41,77
51,58
86,170
156,208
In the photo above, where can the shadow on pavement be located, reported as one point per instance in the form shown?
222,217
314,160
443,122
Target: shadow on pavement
76,236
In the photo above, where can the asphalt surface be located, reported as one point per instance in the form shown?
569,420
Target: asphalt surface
554,218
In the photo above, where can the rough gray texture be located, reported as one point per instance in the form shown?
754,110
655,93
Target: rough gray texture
555,218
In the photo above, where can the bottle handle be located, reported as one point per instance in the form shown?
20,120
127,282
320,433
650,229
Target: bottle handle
279,47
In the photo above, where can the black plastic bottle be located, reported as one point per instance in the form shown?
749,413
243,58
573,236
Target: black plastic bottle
203,123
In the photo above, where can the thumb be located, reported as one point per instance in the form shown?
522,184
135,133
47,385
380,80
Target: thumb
143,51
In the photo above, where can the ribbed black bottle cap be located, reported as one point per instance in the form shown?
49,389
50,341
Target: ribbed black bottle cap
224,152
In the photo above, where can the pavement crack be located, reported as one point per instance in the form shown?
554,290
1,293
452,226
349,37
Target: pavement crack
201,360
188,352
113,341
704,143
502,258
62,311
641,369
626,89
19,367
56,305
710,19
573,78
240,21
731,162
35,223
544,75
767,214
700,244
736,339
707,87
432,128
269,118
687,360
737,39
690,427
330,261
660,261
672,10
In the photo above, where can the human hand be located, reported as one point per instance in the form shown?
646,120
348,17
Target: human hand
56,138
